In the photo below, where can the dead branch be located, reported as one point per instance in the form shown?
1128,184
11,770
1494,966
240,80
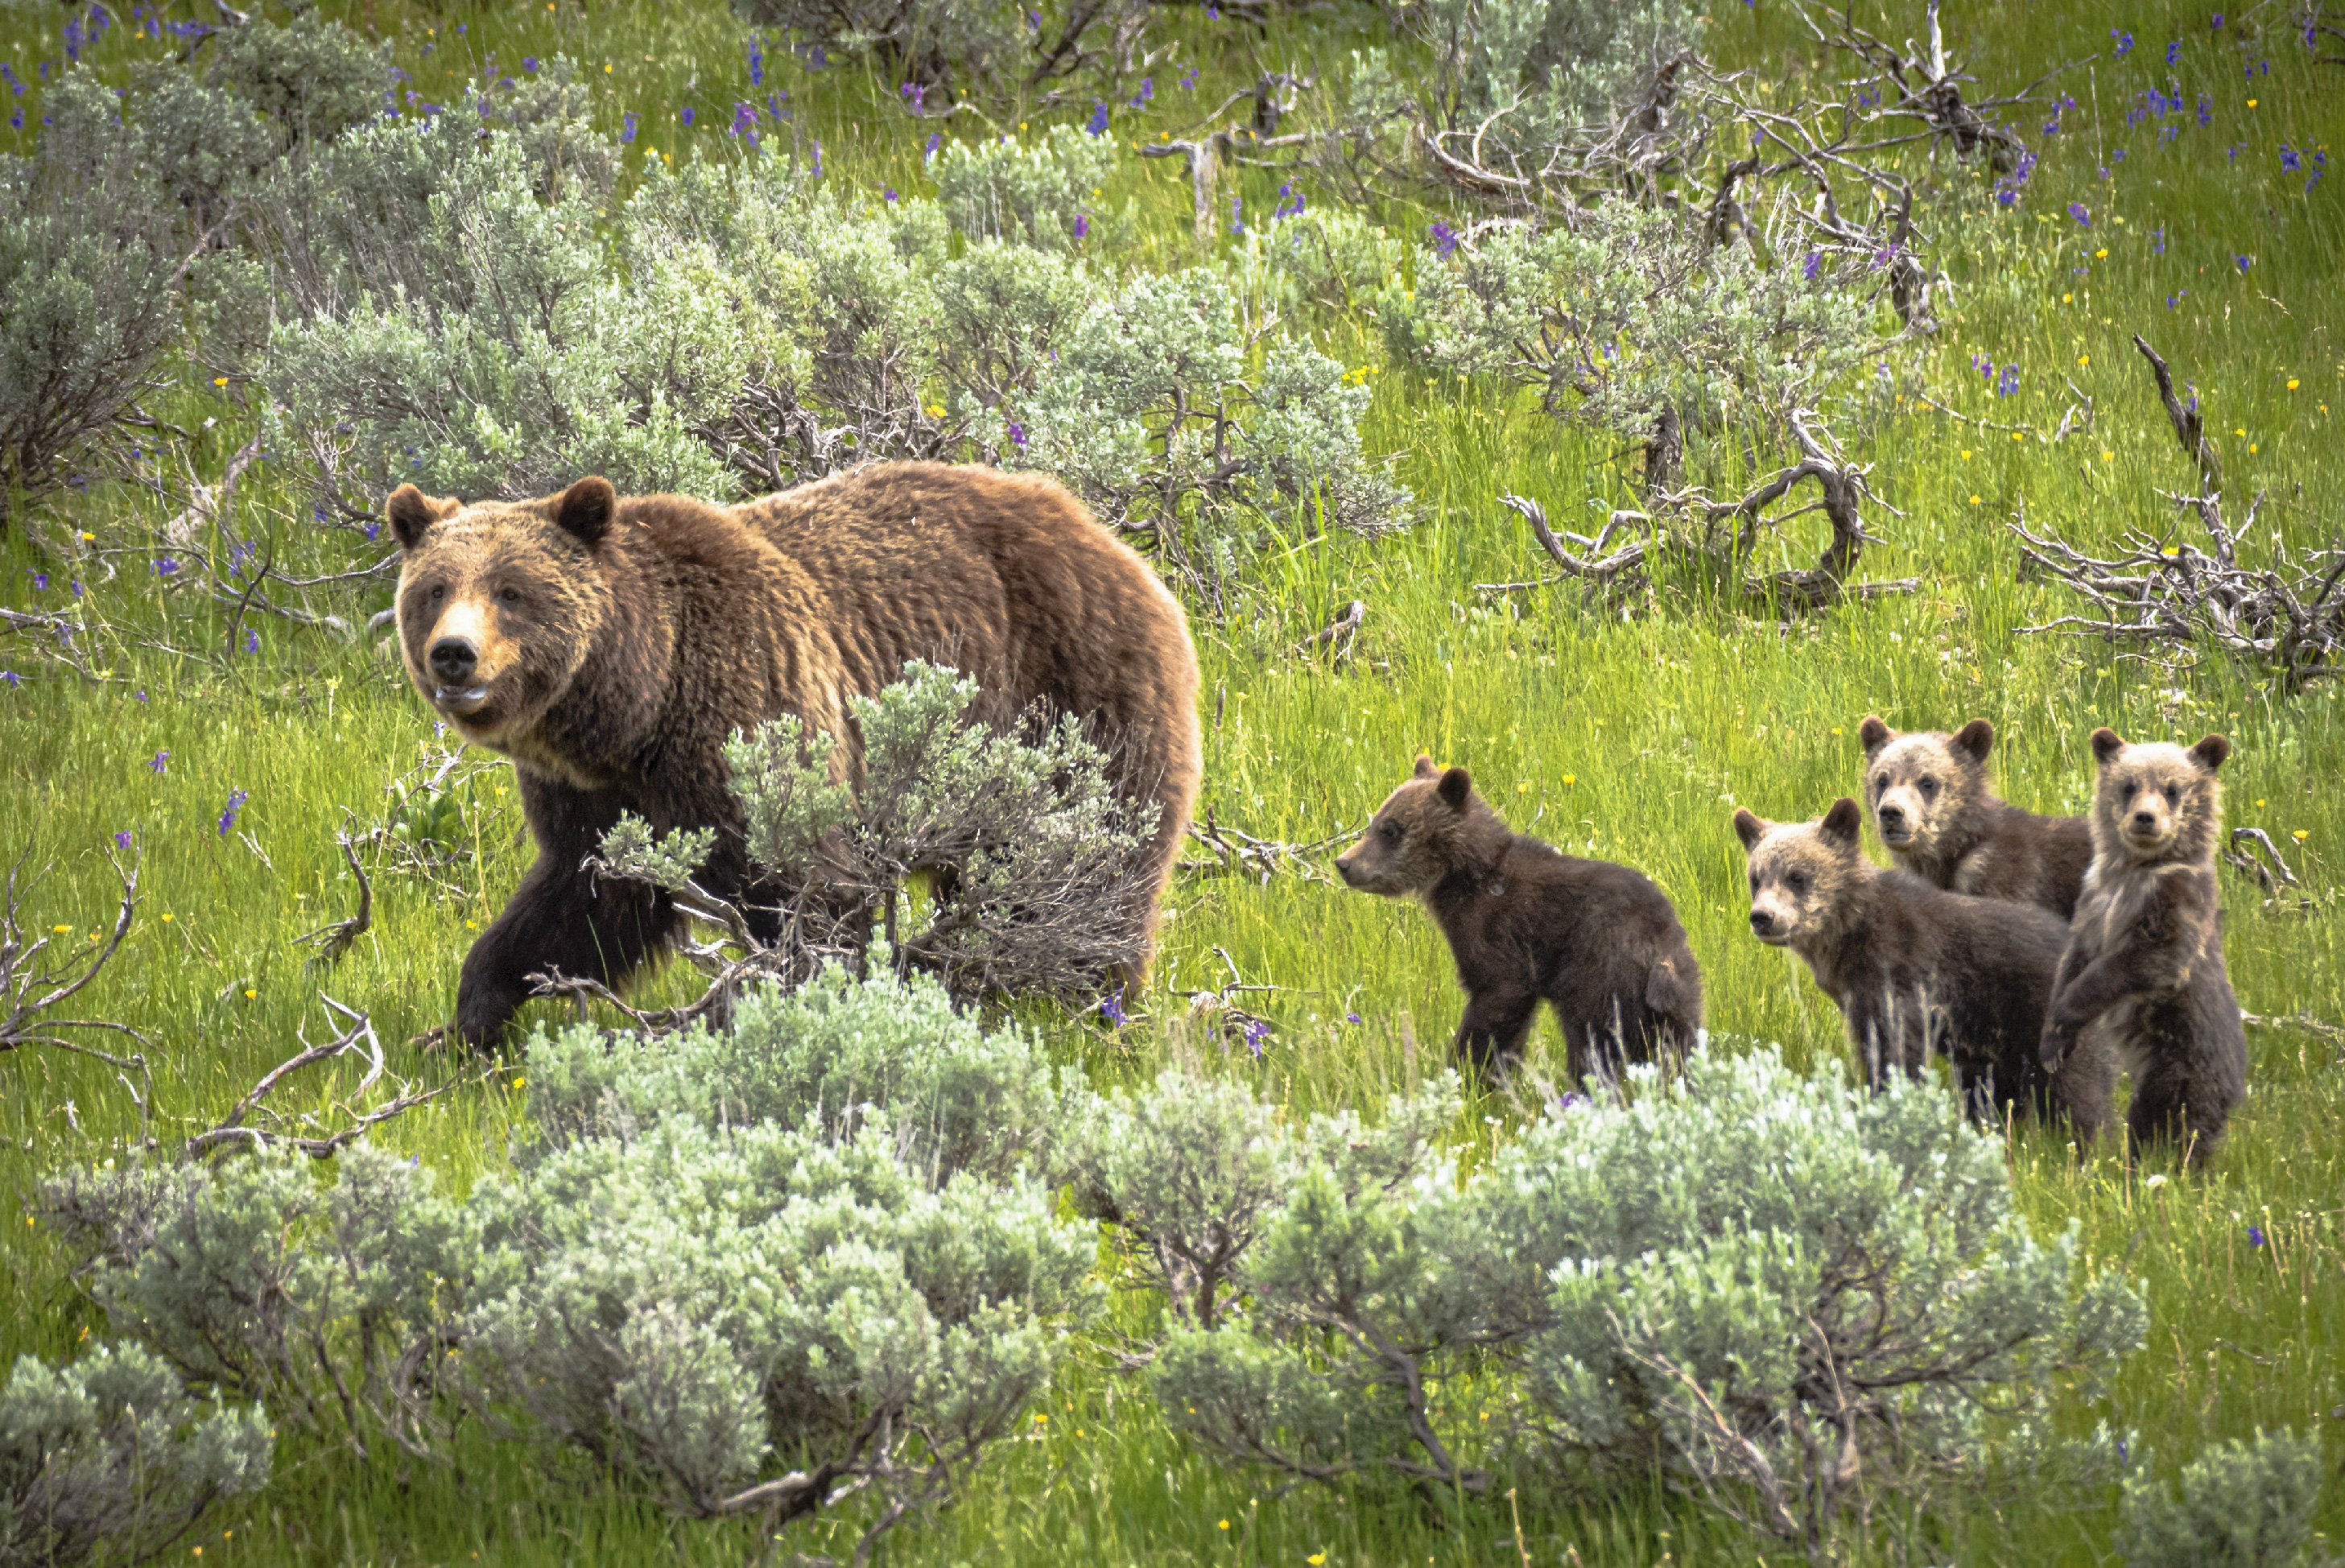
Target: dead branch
2261,858
1237,853
2189,428
34,980
1342,633
335,939
357,1039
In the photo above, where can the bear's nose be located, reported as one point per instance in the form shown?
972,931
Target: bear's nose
1892,816
452,659
2145,820
1762,921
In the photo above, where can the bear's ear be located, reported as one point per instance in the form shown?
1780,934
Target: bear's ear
1750,827
412,513
2107,744
1455,786
586,510
1843,824
1874,734
1974,740
2211,752
1424,768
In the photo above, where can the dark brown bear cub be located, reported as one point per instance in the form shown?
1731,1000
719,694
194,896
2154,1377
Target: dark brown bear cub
1940,818
610,647
2143,979
1916,969
1598,942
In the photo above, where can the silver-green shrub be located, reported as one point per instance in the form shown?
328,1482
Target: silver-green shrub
108,1459
1013,821
766,1273
1781,1294
959,1098
1003,188
952,48
2237,1505
1630,321
331,1303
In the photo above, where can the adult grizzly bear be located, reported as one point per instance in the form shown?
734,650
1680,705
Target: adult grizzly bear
610,647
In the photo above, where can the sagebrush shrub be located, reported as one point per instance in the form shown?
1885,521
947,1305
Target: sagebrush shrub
108,1458
1631,320
1002,188
1782,1292
2242,1505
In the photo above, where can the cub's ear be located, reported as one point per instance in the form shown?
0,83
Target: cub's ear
2107,744
1874,735
1750,827
586,510
1974,740
1424,768
2211,752
1843,824
412,513
1455,786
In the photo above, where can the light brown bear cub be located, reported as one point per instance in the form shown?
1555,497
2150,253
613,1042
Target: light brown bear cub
2143,979
1598,942
1916,969
1940,817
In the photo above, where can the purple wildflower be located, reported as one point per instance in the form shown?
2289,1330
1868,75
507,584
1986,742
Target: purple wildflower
915,94
40,579
1097,123
888,195
159,763
14,679
1083,224
2289,162
529,63
251,640
1017,435
2078,211
818,160
2219,22
1813,266
745,117
2157,240
936,140
1350,1016
236,799
1256,1032
687,114
1237,215
2255,1236
1147,92
756,62
1111,1008
2174,300
628,128
1188,79
77,589
2123,41
2174,51
2008,385
165,565
2244,263
122,839
1444,239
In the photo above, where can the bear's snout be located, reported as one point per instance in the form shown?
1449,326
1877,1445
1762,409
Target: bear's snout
1347,868
1763,922
1893,819
453,659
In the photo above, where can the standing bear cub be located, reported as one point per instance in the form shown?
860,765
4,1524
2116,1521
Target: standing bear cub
1940,818
2143,979
1598,942
610,647
1917,970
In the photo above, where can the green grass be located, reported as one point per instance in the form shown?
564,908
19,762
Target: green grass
1631,739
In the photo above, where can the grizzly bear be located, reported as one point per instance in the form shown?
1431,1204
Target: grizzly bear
2143,978
610,647
1915,968
1598,941
1940,819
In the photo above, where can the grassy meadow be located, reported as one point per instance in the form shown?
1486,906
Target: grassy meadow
1632,738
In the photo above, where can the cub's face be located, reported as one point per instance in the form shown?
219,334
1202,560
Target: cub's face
2157,800
1919,783
1407,847
499,602
1798,870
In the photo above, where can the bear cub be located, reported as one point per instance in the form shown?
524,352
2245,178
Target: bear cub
1598,942
2143,978
1916,968
1940,819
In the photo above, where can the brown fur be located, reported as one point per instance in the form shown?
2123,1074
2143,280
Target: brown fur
2143,977
1598,942
1916,968
1939,817
617,643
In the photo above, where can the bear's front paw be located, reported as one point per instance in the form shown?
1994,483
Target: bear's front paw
2057,1042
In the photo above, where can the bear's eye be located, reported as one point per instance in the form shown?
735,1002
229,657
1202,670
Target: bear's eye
1881,784
1754,884
439,592
1389,832
509,596
2173,794
1797,882
1929,788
